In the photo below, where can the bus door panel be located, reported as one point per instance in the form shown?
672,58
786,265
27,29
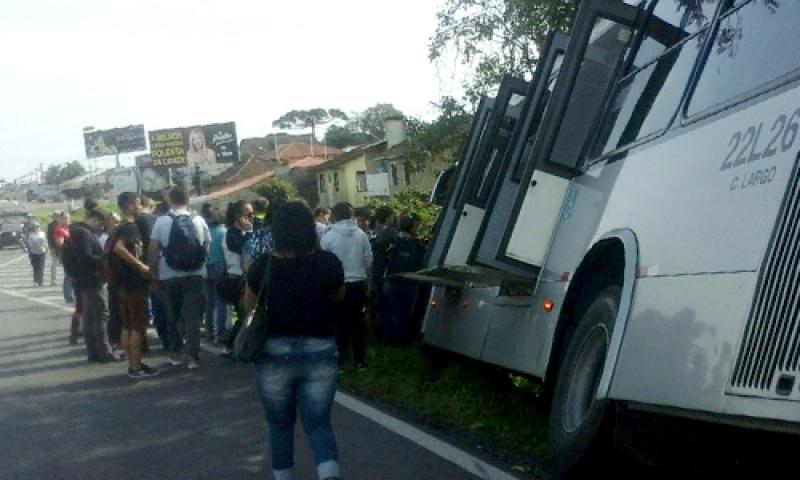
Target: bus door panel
448,218
598,44
484,168
487,249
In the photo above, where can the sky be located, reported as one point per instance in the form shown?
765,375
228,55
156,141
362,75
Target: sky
71,64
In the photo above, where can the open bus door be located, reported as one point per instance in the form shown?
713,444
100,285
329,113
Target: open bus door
473,194
598,41
456,230
449,189
486,250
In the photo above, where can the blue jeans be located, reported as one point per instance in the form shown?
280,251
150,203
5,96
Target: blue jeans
299,374
68,290
216,311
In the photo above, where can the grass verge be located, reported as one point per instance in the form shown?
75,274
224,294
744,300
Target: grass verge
456,394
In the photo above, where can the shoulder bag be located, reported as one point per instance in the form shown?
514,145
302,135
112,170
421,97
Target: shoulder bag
248,346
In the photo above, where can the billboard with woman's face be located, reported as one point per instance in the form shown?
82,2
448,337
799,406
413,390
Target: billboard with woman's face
191,147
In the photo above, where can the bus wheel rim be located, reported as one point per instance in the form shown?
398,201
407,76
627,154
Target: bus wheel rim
585,378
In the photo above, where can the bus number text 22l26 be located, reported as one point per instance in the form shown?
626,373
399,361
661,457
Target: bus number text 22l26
744,145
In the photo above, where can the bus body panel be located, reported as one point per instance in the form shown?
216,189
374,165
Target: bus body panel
538,217
713,221
455,326
519,337
464,236
679,347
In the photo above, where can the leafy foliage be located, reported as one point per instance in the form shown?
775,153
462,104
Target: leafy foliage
411,201
362,128
56,174
276,188
441,139
345,136
300,119
497,37
370,121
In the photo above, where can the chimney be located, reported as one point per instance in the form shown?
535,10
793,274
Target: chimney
395,131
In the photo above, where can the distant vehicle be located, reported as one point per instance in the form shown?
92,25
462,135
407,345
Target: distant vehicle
12,228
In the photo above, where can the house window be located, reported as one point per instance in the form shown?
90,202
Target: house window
361,181
407,169
394,175
336,181
322,183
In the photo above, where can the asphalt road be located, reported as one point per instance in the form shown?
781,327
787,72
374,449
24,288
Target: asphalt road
63,418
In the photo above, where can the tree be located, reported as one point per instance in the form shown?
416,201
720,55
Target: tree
440,139
344,136
371,121
56,174
365,127
497,37
302,119
276,188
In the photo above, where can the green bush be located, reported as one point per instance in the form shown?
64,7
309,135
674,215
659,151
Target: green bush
276,188
413,201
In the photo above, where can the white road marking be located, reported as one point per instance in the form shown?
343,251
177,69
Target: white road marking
13,261
442,449
37,300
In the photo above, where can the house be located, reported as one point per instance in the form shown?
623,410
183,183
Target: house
379,169
291,163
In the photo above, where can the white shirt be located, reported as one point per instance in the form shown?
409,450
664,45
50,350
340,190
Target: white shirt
37,242
351,245
160,234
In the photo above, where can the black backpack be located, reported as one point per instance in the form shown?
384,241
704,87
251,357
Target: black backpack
403,255
184,252
70,258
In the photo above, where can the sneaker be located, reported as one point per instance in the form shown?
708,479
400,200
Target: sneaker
192,364
143,372
175,361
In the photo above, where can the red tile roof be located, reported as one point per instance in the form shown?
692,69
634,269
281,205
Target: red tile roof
308,162
237,187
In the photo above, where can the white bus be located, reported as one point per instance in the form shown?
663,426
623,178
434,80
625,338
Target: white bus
626,227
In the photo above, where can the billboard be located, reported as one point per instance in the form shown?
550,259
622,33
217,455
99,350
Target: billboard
143,160
190,147
99,143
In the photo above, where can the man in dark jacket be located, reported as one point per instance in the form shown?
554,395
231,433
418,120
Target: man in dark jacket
87,255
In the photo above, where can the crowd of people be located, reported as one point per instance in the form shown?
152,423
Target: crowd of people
327,279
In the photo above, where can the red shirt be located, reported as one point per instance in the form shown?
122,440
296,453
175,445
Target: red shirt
61,233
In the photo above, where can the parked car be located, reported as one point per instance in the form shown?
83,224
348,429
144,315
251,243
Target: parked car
12,228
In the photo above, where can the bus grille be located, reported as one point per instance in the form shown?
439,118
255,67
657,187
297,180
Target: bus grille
769,354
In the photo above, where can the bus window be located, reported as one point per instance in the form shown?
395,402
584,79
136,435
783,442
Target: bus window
670,23
491,163
646,100
753,45
541,108
608,42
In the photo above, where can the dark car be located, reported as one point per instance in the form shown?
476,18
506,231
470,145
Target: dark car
12,229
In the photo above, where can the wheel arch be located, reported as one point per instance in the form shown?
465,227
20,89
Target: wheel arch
612,259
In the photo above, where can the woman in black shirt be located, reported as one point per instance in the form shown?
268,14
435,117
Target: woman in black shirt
298,371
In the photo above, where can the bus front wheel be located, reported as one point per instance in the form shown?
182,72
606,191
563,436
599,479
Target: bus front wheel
579,421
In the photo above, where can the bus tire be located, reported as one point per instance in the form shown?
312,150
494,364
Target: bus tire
579,422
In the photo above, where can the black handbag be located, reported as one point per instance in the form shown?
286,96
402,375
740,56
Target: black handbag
248,346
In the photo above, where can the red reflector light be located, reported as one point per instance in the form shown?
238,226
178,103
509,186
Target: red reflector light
548,306
434,304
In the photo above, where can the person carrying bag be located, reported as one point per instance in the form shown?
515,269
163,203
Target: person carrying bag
298,364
